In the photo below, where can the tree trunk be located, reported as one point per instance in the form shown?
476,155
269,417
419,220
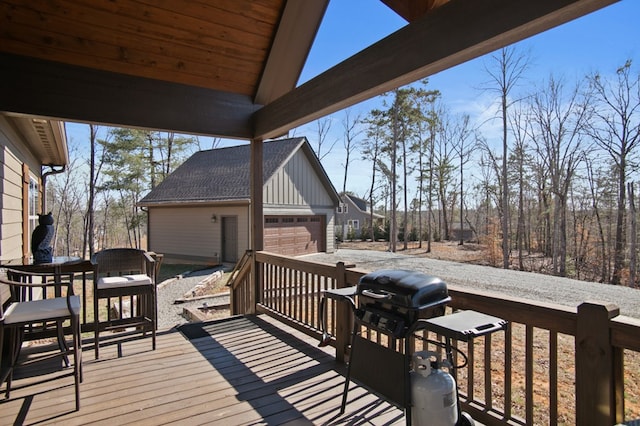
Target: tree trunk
633,237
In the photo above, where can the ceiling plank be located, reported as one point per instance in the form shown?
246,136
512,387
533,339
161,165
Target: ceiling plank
429,45
50,89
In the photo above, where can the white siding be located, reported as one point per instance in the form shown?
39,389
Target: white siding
187,233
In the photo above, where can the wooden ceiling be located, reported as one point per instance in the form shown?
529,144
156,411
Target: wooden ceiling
230,67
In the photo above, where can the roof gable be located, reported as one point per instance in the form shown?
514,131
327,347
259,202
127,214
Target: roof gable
223,174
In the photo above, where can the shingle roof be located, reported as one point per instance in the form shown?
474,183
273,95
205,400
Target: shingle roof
220,174
359,202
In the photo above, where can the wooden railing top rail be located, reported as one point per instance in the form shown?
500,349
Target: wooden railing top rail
549,316
240,270
624,332
323,269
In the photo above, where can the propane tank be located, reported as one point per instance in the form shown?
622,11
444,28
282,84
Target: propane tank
433,392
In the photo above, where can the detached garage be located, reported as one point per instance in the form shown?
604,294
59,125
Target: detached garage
201,212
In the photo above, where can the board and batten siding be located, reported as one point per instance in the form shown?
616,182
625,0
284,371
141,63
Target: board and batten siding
296,184
184,234
296,189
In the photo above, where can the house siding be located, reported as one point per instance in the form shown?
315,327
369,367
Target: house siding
295,184
187,234
11,161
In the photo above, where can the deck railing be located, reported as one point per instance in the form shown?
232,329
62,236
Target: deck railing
553,364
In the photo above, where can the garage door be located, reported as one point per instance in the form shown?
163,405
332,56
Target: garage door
294,235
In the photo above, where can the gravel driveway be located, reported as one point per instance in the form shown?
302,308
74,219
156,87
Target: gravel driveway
538,287
170,313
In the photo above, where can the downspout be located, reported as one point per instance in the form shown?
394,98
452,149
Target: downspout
146,210
53,171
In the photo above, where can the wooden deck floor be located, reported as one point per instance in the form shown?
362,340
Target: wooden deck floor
242,371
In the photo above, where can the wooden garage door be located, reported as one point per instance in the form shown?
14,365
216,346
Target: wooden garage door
294,235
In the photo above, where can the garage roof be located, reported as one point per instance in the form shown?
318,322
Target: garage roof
223,174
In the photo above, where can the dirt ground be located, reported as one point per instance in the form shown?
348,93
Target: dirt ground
447,250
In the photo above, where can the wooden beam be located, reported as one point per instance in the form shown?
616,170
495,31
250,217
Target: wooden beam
49,89
452,34
296,32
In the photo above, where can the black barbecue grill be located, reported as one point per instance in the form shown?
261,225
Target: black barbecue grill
391,301
398,303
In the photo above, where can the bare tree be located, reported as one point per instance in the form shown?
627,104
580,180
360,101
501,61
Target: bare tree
462,131
617,132
352,132
215,143
633,254
519,127
507,69
594,186
96,160
558,122
323,148
444,168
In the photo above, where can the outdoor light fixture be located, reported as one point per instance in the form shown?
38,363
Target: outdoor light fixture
214,218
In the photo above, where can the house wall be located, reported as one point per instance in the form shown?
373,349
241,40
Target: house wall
296,184
187,234
13,154
353,213
295,189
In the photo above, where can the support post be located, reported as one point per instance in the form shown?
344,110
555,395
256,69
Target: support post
257,220
595,365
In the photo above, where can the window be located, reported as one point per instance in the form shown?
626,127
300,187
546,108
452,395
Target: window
354,224
342,208
270,220
34,207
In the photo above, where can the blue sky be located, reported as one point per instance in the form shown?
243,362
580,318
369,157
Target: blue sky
600,42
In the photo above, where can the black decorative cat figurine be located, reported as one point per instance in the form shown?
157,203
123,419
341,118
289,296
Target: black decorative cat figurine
41,239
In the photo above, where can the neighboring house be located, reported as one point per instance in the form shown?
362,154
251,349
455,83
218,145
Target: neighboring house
466,233
201,212
27,144
353,215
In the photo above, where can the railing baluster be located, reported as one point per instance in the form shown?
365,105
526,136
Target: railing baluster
488,391
553,378
529,374
470,368
508,360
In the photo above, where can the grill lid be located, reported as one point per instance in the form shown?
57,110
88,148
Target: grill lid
403,288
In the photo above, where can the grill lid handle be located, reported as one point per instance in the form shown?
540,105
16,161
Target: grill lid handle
375,295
